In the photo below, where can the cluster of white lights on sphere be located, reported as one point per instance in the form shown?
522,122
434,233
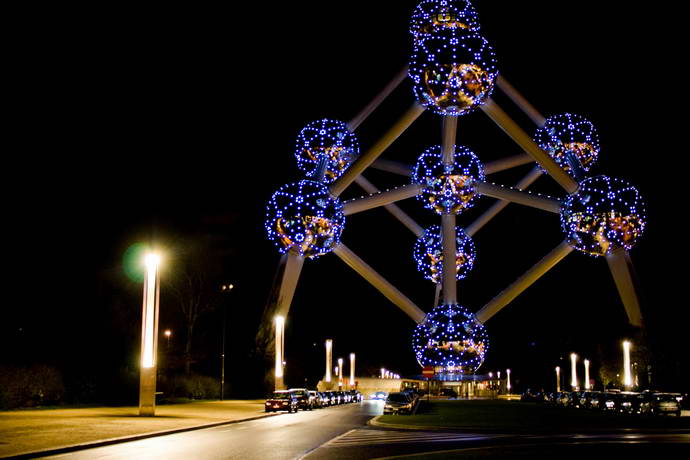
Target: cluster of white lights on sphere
605,214
448,189
326,139
428,253
305,218
452,338
453,71
430,16
569,138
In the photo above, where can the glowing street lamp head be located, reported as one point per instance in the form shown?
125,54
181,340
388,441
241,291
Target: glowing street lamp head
168,333
152,260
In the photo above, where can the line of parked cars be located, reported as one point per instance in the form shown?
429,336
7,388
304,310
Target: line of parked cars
295,399
647,402
401,403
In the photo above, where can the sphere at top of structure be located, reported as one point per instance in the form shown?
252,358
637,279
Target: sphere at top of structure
428,253
453,72
328,140
430,16
568,137
305,218
448,189
452,338
604,214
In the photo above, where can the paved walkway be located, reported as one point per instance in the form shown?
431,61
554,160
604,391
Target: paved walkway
24,431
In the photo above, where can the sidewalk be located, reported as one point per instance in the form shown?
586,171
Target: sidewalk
24,431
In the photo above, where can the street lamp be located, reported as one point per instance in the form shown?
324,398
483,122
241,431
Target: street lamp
329,359
352,370
280,328
340,372
587,387
627,373
558,379
149,333
168,333
508,381
224,288
573,363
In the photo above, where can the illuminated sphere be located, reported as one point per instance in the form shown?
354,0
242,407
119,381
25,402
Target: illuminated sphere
304,217
448,189
453,72
568,135
428,253
430,16
450,337
605,214
330,139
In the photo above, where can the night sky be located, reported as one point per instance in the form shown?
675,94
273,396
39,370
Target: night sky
173,125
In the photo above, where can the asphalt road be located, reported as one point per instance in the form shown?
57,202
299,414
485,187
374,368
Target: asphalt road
342,433
286,436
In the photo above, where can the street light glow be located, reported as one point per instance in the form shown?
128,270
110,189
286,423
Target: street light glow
587,374
152,262
627,373
280,325
558,379
352,369
329,359
573,362
508,381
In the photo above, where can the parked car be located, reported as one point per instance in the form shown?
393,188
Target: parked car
282,400
451,393
325,399
532,396
660,404
356,396
379,395
303,399
315,399
627,402
608,401
398,403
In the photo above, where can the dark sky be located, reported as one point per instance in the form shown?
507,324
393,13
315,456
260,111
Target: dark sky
131,124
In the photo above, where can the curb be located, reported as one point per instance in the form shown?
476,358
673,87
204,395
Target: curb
123,439
375,422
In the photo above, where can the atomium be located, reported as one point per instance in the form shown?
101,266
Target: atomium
453,72
605,214
448,189
430,16
450,337
305,218
569,138
428,253
326,139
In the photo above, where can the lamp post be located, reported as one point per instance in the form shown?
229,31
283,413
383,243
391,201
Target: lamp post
224,288
587,375
329,359
627,372
149,333
508,387
340,372
558,379
352,370
168,333
280,328
573,371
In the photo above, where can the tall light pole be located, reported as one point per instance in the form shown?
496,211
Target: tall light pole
587,386
573,371
558,379
508,387
280,330
352,370
224,288
329,359
168,333
340,372
627,372
149,334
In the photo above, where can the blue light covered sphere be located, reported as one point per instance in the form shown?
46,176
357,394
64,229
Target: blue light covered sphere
450,337
305,218
568,137
604,214
453,72
448,189
430,16
428,253
330,139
